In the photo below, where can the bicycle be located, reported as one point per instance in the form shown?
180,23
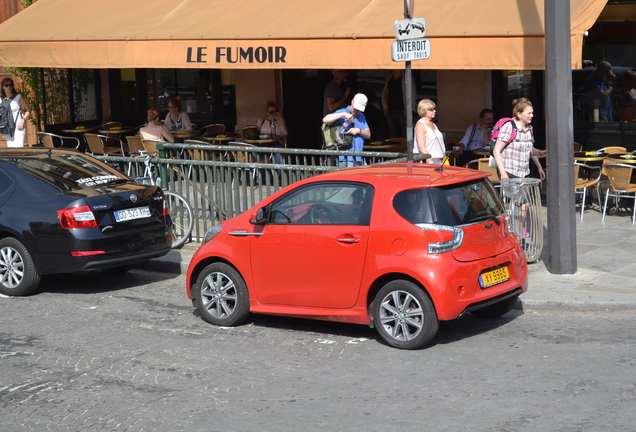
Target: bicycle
178,207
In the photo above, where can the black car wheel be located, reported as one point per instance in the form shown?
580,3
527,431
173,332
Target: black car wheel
496,310
222,296
404,315
18,276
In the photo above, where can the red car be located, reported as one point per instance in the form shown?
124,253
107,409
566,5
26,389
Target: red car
397,247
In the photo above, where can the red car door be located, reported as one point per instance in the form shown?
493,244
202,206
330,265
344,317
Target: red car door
312,252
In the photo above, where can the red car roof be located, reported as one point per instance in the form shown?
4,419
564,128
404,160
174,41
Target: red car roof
407,172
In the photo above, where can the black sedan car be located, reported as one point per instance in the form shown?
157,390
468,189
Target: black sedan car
62,211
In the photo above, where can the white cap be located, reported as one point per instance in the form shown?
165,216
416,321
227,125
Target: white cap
359,102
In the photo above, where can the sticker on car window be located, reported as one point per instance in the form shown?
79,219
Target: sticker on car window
94,181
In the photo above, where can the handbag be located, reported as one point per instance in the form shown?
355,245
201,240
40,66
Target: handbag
492,163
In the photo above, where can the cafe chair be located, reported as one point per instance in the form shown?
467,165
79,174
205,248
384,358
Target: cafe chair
249,132
213,129
481,164
577,147
111,124
450,144
613,150
150,145
134,144
399,147
103,145
589,180
48,139
620,185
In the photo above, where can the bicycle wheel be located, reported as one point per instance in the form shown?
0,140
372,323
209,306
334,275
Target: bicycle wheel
182,218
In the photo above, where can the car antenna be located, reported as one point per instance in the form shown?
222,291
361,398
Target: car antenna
441,166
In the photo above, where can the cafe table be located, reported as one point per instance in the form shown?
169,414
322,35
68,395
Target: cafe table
263,140
184,135
380,145
589,156
119,130
221,138
627,158
81,130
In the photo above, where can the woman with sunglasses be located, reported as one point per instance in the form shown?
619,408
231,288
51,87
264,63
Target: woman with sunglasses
273,124
20,111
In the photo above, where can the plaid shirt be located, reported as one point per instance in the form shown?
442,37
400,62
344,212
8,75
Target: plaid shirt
516,155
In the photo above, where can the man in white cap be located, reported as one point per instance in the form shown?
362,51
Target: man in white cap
355,123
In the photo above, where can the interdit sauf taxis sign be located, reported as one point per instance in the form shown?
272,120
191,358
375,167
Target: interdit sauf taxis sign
410,44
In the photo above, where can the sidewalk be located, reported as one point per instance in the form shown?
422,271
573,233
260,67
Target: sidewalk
605,280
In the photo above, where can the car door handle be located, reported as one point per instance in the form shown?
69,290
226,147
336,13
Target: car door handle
244,233
349,240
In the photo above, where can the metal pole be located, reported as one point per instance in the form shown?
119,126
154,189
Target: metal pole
408,85
559,138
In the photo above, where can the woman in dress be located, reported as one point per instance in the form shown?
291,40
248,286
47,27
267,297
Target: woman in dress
428,138
154,129
177,120
20,111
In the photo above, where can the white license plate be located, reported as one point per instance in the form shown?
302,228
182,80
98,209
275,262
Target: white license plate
133,213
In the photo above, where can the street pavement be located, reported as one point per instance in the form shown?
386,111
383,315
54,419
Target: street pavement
605,277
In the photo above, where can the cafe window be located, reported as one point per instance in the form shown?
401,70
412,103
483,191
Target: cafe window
84,94
205,96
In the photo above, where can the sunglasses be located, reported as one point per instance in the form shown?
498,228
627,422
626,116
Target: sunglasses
272,112
8,85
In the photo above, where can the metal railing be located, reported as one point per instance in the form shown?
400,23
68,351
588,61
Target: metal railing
221,182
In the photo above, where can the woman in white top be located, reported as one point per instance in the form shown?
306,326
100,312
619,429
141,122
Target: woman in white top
273,124
177,120
428,138
20,111
155,130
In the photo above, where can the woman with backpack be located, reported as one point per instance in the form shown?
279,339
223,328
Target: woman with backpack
515,144
19,110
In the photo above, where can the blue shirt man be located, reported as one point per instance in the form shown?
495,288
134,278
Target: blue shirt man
354,121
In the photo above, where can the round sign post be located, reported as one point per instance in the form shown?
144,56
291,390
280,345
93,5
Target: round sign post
408,85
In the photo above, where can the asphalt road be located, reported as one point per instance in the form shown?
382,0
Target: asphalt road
103,353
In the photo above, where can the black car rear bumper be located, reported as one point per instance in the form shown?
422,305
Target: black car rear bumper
116,262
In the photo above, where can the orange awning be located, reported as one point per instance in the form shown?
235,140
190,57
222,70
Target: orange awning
284,34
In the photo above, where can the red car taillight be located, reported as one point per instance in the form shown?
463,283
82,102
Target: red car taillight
76,217
444,238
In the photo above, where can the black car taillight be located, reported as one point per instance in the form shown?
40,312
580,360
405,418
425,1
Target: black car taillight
76,217
165,210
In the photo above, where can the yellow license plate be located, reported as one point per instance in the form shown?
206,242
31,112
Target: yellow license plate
494,277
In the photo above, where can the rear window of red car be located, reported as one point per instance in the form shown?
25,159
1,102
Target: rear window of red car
449,205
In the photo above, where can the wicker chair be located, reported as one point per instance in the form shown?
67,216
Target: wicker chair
581,185
213,129
481,164
620,185
50,140
134,144
103,145
613,150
